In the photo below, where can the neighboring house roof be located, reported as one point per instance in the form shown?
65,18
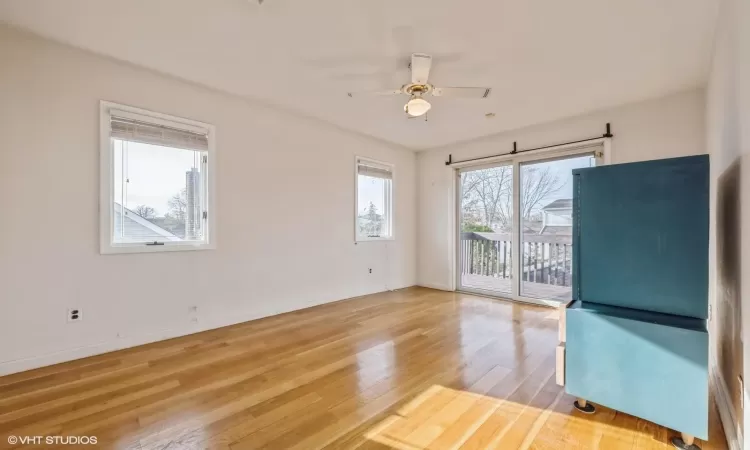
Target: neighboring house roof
138,229
561,203
557,230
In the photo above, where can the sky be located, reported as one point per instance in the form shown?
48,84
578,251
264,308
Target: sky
562,168
155,173
370,190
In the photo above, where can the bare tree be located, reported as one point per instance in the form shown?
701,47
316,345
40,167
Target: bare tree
178,206
470,212
145,211
537,185
487,195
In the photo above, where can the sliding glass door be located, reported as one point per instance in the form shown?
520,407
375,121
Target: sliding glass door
515,226
547,227
486,229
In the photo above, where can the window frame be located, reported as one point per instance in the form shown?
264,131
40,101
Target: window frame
390,199
106,182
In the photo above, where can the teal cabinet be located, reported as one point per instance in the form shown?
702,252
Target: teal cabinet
636,335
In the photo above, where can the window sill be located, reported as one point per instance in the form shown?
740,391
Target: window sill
373,239
114,249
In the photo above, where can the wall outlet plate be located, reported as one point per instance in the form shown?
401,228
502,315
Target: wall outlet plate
75,315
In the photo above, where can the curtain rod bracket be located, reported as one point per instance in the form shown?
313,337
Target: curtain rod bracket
608,134
515,148
450,160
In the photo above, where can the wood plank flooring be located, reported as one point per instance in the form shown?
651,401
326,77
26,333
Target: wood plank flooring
411,369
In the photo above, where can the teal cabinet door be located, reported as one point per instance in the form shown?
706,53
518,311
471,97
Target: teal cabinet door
641,235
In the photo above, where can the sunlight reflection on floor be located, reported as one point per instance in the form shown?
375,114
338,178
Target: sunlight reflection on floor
444,418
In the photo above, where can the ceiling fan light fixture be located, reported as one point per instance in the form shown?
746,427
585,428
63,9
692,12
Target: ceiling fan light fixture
420,87
417,106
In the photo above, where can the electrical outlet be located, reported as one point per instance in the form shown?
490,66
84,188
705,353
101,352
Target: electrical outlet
370,270
75,315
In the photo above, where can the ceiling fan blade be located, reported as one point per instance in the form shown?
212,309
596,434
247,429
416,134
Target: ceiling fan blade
375,93
420,67
463,92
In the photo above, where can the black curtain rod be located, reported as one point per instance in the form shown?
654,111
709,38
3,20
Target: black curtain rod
515,150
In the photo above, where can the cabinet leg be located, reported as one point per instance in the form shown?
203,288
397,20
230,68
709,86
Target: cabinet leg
685,442
584,406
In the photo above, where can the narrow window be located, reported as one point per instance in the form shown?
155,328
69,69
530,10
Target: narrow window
374,218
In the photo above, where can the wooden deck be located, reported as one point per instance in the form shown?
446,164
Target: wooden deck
503,286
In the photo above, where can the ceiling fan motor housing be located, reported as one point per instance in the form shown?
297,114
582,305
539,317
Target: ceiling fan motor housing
417,89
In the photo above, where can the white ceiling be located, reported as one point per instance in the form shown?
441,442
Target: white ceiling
544,59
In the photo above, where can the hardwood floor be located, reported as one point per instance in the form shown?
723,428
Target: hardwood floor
412,369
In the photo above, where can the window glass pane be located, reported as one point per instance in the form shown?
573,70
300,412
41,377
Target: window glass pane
547,227
158,193
485,252
373,216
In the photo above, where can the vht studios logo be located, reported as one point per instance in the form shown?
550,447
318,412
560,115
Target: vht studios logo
52,440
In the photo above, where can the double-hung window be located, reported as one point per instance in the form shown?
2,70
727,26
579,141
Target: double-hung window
374,213
155,181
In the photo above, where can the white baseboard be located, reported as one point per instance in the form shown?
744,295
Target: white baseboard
440,287
48,359
726,411
206,323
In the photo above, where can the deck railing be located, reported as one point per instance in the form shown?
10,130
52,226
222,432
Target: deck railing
545,259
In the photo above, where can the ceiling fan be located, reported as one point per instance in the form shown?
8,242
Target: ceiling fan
420,87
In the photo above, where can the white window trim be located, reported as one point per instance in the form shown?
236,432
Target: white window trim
106,177
392,227
551,153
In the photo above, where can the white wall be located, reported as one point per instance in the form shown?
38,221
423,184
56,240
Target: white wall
660,128
728,142
285,212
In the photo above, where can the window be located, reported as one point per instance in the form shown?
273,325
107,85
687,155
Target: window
155,181
374,218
